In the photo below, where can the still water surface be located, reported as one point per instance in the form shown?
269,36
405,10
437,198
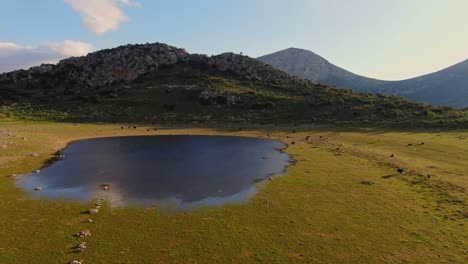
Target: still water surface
181,172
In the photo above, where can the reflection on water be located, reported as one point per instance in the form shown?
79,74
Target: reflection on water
180,171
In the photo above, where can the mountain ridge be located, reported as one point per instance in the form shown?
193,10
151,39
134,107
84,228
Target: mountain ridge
161,83
439,88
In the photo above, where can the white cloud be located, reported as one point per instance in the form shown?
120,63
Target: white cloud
102,16
130,3
14,56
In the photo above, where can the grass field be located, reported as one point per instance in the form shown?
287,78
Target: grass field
318,212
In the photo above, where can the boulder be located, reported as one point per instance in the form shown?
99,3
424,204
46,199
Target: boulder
83,234
93,211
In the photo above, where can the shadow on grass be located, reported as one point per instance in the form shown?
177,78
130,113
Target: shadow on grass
389,176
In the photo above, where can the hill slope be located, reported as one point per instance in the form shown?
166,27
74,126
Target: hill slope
160,83
446,87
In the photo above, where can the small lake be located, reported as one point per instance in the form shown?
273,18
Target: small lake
181,172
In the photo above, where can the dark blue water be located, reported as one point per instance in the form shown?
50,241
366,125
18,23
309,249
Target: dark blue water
176,171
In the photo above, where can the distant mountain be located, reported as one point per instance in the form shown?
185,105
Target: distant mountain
160,83
446,87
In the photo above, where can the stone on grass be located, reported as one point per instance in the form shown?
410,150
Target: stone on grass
80,247
93,211
83,234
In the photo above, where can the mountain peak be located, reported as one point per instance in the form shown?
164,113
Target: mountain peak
299,62
445,87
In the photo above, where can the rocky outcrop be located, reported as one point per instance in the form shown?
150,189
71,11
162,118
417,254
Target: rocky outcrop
124,63
127,63
247,67
209,97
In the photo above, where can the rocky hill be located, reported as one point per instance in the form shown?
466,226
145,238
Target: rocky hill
127,63
161,83
446,87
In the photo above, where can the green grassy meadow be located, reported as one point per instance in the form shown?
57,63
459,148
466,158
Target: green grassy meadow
317,212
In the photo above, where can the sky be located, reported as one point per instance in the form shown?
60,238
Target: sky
384,39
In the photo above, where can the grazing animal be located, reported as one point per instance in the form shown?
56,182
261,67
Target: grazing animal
307,138
422,143
429,176
121,127
393,155
134,127
292,143
400,170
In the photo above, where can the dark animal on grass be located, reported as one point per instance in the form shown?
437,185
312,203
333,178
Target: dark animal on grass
400,170
393,155
409,145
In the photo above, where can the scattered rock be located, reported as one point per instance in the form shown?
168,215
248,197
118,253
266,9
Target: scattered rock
82,245
105,186
83,234
75,262
33,155
93,211
409,145
37,171
212,97
39,188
